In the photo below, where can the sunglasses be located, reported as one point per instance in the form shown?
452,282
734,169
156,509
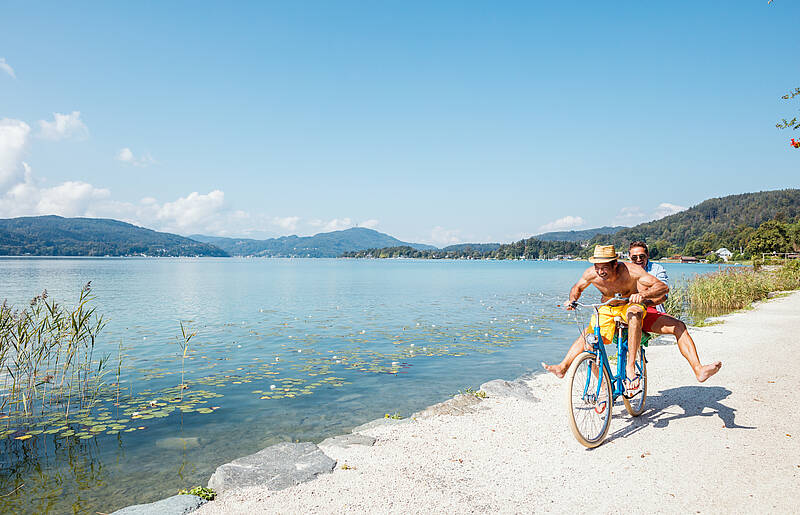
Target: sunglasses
638,257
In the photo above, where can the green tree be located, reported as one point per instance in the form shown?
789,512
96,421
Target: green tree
771,236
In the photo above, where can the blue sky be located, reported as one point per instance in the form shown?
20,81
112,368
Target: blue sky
435,122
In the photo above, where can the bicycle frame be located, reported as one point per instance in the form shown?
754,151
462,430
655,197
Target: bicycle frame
622,357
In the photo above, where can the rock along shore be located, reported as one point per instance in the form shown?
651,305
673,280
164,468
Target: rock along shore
513,451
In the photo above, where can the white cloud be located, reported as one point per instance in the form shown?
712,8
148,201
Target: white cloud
7,68
63,126
191,213
288,223
666,209
443,237
71,198
13,138
21,194
126,156
563,224
337,224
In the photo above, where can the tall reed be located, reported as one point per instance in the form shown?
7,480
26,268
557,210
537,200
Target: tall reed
728,290
47,355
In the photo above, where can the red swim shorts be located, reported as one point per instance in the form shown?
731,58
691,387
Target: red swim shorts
652,315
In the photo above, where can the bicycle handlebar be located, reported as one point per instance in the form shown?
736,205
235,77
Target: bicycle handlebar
576,304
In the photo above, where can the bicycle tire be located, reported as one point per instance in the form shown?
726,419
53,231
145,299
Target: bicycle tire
588,425
635,405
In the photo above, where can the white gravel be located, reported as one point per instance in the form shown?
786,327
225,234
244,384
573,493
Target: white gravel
730,445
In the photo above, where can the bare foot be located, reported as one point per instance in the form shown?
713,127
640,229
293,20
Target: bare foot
556,370
707,371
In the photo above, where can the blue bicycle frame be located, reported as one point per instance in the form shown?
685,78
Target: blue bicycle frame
598,349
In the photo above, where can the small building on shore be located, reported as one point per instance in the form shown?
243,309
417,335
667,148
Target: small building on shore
724,253
689,259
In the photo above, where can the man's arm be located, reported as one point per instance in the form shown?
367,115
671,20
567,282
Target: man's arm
655,302
649,288
577,289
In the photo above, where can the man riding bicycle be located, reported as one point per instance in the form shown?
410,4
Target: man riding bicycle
613,277
655,321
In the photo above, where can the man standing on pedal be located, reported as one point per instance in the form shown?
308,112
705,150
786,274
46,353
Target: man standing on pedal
612,278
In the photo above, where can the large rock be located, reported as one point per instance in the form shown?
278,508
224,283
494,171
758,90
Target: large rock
175,505
379,422
458,405
344,441
518,389
276,467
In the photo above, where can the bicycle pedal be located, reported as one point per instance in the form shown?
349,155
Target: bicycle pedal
629,397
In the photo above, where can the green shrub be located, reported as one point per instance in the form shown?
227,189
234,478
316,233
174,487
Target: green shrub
200,491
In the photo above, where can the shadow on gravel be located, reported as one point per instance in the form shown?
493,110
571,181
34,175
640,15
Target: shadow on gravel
678,403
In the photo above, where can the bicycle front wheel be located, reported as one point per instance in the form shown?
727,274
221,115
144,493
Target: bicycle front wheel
635,405
589,407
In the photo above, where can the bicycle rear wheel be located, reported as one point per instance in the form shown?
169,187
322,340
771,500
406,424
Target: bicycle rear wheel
635,405
589,413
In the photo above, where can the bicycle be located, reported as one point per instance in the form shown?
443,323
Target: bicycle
589,386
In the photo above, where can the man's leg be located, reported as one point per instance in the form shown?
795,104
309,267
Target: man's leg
576,348
635,315
666,324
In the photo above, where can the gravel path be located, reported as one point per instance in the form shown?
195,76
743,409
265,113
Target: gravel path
730,445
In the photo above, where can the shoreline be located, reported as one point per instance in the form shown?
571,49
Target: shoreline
512,451
507,454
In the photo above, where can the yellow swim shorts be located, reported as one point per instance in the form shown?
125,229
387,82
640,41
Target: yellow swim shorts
607,314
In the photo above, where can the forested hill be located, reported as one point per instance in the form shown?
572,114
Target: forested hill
577,236
328,244
726,221
57,236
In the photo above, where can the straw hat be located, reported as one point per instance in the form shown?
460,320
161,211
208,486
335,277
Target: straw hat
603,254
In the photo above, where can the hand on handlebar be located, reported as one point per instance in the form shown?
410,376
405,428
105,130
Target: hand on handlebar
570,305
636,298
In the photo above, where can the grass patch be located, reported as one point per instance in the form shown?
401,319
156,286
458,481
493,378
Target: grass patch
200,491
729,290
471,391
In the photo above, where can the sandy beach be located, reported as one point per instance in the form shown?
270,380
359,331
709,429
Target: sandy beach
729,445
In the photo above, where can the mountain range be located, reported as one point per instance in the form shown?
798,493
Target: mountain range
57,236
724,221
327,244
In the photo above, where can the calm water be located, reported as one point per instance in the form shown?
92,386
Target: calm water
286,350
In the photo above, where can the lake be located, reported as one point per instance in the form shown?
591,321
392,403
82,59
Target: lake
286,350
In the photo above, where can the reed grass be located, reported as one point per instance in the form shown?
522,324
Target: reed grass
729,290
47,358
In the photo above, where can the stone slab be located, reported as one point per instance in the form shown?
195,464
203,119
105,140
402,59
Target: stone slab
344,441
276,467
517,389
379,422
175,505
458,405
